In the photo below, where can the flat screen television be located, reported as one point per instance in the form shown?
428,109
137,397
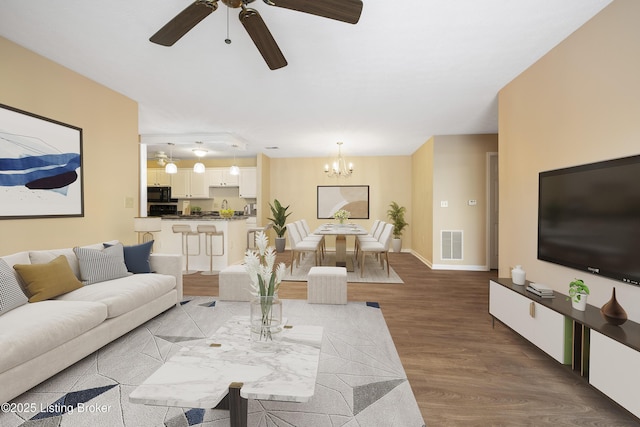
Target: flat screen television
589,218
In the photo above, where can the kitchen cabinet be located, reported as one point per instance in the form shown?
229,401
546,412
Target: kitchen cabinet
248,183
157,177
187,184
220,177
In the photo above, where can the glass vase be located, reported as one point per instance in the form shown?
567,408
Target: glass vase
266,323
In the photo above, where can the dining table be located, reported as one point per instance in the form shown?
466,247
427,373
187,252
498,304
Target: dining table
341,231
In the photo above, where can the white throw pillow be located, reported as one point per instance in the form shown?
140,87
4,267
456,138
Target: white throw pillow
11,294
99,265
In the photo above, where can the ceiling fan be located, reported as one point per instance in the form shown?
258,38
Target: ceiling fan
341,10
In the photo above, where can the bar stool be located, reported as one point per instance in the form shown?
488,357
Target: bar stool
186,231
251,232
209,232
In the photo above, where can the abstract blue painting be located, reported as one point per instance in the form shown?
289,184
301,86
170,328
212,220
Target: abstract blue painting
40,166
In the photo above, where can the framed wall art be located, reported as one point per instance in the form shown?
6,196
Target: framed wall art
353,198
40,166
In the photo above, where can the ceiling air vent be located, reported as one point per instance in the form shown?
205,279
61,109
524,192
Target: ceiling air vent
451,244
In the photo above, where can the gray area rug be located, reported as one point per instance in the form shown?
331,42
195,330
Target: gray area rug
373,272
361,381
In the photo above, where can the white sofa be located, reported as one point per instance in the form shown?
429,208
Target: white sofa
40,339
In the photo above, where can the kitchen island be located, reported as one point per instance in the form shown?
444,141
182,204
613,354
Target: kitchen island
232,247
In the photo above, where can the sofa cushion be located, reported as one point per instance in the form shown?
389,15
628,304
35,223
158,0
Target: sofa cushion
99,265
136,257
124,294
45,281
11,295
35,328
44,256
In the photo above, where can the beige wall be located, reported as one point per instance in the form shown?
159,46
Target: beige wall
460,175
293,182
110,150
422,202
578,104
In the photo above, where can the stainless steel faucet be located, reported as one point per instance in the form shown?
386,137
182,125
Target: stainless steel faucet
225,204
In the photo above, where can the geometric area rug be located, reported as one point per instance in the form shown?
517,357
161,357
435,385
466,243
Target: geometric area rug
360,381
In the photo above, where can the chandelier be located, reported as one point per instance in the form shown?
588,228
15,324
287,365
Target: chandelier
339,167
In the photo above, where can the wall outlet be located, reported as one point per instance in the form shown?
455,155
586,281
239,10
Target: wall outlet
473,202
444,204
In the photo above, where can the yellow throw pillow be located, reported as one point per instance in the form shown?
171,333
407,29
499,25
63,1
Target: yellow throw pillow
46,281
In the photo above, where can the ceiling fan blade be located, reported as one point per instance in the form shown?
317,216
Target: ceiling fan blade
183,22
341,10
262,38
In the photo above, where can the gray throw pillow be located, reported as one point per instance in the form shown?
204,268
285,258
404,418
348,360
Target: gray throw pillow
101,265
11,294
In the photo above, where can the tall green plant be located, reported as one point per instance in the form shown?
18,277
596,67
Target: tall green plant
396,215
280,216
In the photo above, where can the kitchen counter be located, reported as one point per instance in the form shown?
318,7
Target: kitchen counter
231,248
202,218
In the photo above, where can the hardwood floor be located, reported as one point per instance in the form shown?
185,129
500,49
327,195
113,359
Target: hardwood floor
463,371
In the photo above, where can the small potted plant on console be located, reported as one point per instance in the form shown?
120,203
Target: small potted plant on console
578,293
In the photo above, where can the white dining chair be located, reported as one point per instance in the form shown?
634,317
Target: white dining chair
372,236
308,235
299,246
380,247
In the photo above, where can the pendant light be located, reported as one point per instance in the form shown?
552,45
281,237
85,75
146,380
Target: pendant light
171,167
200,152
234,170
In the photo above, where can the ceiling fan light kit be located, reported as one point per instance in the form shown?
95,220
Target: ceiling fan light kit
348,11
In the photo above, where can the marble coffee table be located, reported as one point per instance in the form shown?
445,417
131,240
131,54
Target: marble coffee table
225,371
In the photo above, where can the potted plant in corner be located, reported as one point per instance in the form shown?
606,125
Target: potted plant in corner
396,215
578,293
279,219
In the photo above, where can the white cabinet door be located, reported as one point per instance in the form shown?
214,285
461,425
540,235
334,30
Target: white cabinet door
542,326
215,177
248,183
613,369
220,177
181,184
187,184
199,186
158,177
231,180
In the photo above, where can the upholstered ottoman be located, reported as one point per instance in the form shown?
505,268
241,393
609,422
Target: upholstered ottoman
327,285
234,284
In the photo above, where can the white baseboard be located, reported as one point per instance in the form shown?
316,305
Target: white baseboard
460,267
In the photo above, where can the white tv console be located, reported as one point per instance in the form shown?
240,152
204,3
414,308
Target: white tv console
607,356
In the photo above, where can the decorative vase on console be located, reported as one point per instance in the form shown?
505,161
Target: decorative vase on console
518,275
613,312
266,308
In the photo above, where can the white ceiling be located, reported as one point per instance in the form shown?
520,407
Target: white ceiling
408,70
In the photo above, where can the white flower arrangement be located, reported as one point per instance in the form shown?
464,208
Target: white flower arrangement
259,264
342,215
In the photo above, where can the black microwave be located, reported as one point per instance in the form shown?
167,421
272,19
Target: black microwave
159,194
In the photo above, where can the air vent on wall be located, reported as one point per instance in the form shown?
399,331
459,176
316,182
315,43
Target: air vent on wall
451,244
